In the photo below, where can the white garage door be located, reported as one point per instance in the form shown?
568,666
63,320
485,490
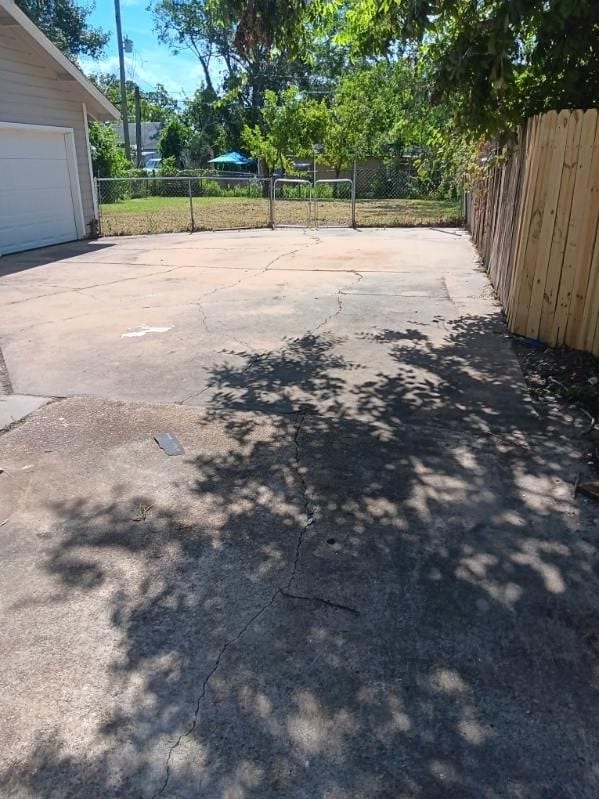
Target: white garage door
37,188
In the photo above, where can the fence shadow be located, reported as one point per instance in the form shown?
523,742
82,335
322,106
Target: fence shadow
394,599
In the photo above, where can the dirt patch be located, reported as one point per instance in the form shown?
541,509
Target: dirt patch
565,378
176,218
173,216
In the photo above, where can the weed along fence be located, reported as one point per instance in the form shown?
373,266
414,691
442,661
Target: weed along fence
535,222
372,196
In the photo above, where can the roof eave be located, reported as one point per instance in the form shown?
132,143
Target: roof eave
98,106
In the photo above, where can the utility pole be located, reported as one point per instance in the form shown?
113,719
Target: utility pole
124,114
140,159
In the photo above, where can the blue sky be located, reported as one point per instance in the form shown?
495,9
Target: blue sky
150,62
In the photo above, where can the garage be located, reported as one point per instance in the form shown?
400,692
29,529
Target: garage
47,191
40,201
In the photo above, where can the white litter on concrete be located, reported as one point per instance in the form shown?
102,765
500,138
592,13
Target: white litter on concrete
146,329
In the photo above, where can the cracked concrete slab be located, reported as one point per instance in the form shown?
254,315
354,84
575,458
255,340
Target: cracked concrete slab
367,577
73,311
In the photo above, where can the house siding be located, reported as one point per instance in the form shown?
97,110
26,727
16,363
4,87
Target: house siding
31,93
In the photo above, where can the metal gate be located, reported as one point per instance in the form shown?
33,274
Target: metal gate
339,207
304,209
294,204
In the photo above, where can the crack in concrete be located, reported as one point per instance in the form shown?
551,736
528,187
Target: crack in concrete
448,296
264,356
330,317
280,590
203,316
308,510
204,690
253,273
81,289
320,600
339,311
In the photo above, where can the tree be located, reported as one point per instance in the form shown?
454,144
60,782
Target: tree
156,105
265,23
108,160
218,121
66,24
199,150
251,62
495,61
173,140
290,126
382,110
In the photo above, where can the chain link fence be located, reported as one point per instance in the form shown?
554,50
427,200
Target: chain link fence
153,204
368,194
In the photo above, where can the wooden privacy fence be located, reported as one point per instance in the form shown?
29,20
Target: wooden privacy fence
535,220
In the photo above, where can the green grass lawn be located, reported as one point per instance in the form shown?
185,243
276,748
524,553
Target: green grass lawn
172,214
149,205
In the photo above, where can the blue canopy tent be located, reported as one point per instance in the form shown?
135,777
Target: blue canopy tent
232,159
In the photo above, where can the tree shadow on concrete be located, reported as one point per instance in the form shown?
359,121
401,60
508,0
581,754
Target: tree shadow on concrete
397,599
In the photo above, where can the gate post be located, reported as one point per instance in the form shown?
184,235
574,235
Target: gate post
99,204
271,201
191,207
353,197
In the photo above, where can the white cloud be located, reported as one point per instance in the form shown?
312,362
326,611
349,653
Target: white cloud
181,75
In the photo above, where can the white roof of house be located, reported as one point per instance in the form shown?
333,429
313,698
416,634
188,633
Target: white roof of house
97,105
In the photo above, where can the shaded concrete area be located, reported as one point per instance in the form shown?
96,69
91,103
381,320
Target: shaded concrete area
366,577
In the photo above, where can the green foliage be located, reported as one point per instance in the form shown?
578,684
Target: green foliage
217,123
169,167
108,160
65,23
250,62
487,64
291,126
369,113
215,188
173,141
211,188
199,150
379,110
156,106
253,190
263,22
494,62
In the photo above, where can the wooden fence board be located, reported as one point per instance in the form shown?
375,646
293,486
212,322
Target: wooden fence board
592,326
511,242
532,225
584,282
531,167
549,329
507,201
553,179
574,272
528,167
535,221
562,308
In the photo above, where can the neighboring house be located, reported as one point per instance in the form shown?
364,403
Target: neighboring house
47,192
150,136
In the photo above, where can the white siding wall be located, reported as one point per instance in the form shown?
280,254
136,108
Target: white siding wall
31,93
